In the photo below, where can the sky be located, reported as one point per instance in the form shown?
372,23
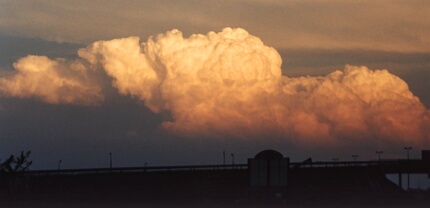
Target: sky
179,82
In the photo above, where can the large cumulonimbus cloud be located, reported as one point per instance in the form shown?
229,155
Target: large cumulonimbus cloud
229,84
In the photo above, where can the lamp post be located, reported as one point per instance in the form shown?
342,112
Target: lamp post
407,156
223,158
379,154
110,160
335,160
407,151
355,157
232,158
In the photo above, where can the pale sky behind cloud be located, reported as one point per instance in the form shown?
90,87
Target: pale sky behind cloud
388,25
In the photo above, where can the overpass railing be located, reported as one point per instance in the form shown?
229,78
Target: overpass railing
396,166
136,169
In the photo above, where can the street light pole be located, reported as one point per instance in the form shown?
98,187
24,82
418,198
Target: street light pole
355,157
334,161
110,160
223,158
407,151
407,156
379,154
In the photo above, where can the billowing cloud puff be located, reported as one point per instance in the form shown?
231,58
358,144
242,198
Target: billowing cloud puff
53,81
229,84
165,71
356,103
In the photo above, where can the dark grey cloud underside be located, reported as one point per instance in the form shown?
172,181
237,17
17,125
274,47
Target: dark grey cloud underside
13,48
76,133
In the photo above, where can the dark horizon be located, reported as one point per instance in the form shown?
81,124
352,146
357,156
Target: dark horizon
296,184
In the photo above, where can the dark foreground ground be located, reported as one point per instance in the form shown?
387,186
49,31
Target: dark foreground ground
331,187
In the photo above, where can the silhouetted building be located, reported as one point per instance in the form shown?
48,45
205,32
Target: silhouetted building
425,155
268,168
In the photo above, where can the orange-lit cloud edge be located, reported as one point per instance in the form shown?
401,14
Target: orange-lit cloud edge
229,84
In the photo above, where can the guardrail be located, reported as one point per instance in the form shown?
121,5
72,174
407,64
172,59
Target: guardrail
320,164
136,169
389,166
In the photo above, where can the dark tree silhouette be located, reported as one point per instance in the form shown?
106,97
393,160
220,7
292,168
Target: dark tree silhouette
12,171
17,164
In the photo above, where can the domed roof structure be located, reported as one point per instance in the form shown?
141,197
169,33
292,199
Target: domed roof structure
269,154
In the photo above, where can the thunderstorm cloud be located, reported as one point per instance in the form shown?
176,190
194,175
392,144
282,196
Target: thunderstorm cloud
229,84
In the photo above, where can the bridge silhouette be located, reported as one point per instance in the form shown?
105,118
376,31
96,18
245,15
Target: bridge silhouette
400,166
309,182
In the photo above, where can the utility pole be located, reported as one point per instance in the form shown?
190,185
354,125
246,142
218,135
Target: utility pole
379,154
407,156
